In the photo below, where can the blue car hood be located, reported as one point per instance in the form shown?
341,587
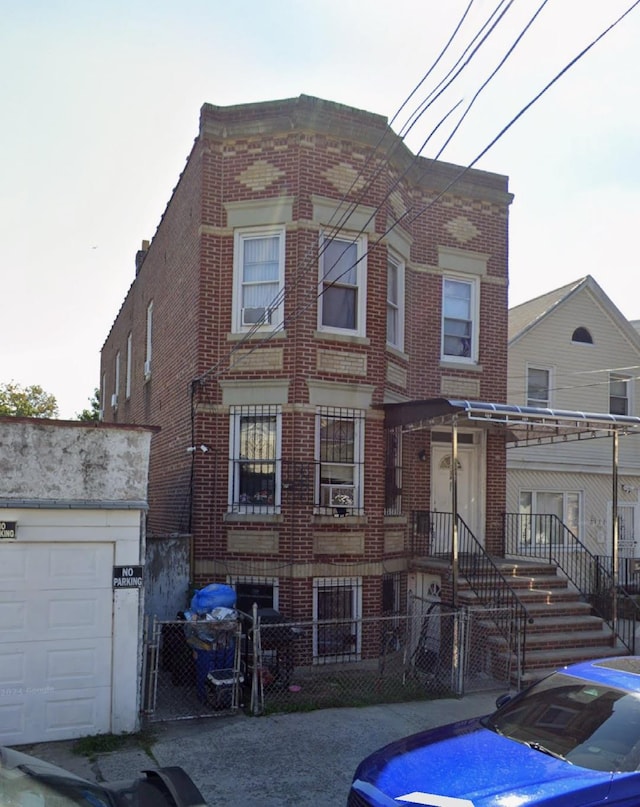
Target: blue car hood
464,764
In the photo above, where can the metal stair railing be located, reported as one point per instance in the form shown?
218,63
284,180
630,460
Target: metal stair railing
431,536
545,537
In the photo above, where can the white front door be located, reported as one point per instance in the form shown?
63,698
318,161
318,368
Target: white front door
470,499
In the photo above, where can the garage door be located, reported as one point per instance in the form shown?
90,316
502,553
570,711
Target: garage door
55,641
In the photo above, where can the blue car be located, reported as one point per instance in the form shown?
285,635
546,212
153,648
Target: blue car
570,740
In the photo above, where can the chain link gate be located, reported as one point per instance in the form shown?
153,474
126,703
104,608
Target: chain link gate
433,651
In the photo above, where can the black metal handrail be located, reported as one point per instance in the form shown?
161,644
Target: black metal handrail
432,536
546,537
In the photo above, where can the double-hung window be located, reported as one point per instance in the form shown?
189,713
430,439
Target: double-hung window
254,459
259,278
619,394
148,343
395,303
342,285
339,452
116,382
538,387
459,319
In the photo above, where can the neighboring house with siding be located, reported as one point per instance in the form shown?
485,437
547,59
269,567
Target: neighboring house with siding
572,349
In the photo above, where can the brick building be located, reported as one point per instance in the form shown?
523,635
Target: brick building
310,275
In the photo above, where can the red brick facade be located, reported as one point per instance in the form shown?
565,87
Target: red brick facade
291,165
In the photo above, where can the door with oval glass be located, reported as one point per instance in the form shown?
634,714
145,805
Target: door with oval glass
470,496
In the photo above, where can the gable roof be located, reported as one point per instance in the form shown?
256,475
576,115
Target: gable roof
523,317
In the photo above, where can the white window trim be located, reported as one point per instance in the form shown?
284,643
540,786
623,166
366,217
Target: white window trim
474,282
628,388
127,382
277,313
400,306
358,455
234,456
116,381
533,366
356,604
361,284
579,494
103,396
274,582
148,343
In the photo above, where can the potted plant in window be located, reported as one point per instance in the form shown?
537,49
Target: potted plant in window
341,501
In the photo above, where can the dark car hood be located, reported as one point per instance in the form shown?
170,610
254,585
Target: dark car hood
467,762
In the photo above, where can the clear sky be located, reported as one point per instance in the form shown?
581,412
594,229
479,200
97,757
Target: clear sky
100,107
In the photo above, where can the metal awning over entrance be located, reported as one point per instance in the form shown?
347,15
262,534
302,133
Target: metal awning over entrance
520,425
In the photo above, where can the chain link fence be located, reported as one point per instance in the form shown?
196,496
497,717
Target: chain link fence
431,652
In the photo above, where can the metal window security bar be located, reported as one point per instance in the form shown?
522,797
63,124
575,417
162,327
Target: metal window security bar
340,466
254,461
393,472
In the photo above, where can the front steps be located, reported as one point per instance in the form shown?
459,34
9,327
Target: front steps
563,629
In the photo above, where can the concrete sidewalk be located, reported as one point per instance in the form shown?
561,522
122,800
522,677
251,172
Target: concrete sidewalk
300,759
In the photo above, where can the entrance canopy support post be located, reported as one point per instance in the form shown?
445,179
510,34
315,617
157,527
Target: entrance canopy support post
454,511
614,530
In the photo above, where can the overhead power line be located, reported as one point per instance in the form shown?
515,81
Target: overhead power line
412,214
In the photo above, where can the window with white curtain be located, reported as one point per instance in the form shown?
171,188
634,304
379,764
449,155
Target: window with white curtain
259,278
460,319
395,303
254,459
545,514
342,285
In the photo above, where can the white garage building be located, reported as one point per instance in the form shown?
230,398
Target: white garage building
73,498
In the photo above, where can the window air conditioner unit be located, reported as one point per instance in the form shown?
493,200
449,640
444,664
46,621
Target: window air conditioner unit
256,316
147,369
114,400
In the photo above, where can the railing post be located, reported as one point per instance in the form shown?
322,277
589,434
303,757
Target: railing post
614,534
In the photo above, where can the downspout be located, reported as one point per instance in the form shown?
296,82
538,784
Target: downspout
614,533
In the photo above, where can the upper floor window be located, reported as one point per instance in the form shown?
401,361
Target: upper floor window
116,382
395,303
340,455
582,335
259,278
127,380
459,319
254,459
343,285
538,387
619,394
148,343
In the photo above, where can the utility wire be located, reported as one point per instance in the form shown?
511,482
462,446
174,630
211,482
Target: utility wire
412,215
312,259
